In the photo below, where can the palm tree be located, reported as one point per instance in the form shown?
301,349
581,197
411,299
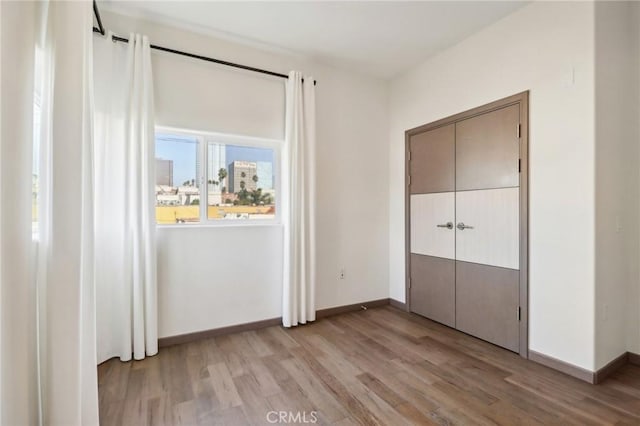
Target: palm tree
256,196
242,184
222,174
243,174
255,178
243,195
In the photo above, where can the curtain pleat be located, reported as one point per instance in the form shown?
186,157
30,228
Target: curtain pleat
298,205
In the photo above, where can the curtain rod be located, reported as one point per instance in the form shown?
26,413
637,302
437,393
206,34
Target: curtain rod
96,12
100,30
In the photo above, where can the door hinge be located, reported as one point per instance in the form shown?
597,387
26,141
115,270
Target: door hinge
519,165
409,155
409,282
519,130
409,180
519,314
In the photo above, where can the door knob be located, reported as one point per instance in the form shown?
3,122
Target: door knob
461,226
448,225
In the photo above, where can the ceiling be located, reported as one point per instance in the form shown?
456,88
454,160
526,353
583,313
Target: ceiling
379,38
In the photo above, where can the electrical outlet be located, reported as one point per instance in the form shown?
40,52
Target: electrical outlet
341,274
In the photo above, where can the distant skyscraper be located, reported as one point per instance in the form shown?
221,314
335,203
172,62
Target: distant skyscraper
216,161
198,170
236,169
265,174
164,172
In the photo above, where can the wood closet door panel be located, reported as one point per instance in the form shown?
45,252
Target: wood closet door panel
427,212
494,218
488,149
432,165
487,300
433,289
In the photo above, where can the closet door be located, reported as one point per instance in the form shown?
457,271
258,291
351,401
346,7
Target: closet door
432,216
487,226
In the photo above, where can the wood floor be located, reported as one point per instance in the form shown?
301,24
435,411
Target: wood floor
380,366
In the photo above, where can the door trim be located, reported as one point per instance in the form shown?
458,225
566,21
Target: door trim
523,100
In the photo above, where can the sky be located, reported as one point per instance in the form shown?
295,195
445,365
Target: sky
243,153
183,151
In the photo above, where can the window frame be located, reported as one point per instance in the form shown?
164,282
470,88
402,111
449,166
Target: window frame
204,138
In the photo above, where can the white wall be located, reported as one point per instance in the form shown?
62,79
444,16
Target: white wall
220,276
546,48
617,179
214,277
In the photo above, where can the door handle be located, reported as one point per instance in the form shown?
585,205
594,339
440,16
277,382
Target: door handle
461,226
448,225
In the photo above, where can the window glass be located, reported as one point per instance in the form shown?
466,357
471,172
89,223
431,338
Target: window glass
208,178
177,179
241,182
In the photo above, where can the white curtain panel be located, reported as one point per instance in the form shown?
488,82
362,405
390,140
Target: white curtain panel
298,205
125,199
48,301
18,375
68,377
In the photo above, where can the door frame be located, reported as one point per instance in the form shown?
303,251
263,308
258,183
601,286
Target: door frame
523,100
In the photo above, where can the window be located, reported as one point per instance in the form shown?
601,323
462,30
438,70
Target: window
208,178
